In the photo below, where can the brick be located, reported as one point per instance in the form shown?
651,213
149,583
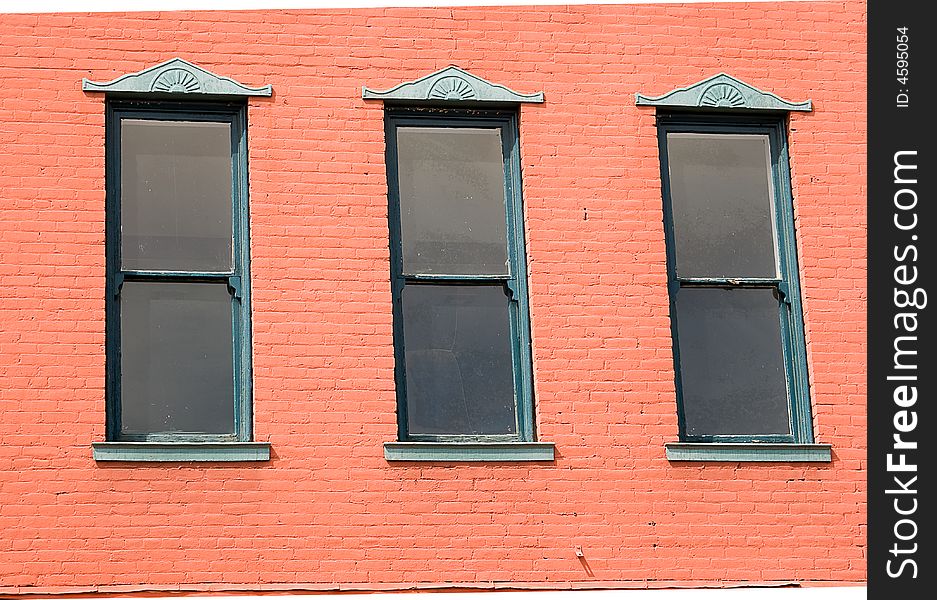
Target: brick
328,511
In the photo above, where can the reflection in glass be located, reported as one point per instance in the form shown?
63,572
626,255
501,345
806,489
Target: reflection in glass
731,365
720,190
175,199
176,358
452,200
459,374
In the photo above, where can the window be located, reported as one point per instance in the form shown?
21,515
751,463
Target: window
178,329
458,270
178,290
734,293
462,337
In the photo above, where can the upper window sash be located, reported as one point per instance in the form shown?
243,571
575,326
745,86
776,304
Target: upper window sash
231,114
505,122
723,221
779,172
177,210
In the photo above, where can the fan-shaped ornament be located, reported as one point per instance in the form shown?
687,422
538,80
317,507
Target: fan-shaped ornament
176,81
723,92
452,88
722,95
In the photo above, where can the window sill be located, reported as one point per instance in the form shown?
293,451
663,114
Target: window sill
473,452
752,452
181,452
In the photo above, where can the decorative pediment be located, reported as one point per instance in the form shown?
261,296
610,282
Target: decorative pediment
174,77
451,85
723,92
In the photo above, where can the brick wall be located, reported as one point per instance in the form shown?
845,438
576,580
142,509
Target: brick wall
328,509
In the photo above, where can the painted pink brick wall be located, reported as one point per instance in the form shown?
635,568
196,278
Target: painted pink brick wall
328,510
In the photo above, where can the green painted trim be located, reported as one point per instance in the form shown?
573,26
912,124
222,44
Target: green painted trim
683,451
518,285
439,277
479,452
237,280
113,278
241,293
722,92
451,85
190,275
730,281
176,77
515,281
793,346
395,243
181,451
465,439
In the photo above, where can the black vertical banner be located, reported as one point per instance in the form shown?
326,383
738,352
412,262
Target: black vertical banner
902,372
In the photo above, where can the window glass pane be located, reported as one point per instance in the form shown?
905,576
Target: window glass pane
176,358
459,372
452,200
720,190
731,365
175,198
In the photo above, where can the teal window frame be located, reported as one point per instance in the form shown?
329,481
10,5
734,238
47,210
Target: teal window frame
786,286
515,283
180,445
